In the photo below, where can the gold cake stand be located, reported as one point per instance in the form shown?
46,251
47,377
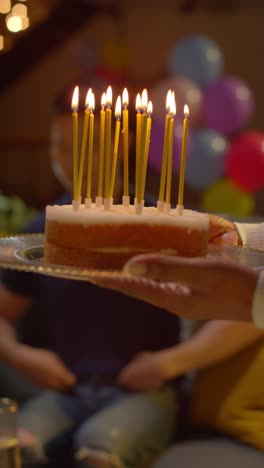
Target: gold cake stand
25,253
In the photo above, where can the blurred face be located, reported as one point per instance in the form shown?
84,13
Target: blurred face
61,153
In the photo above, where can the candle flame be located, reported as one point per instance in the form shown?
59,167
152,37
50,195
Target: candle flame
91,102
87,100
168,100
173,105
144,100
138,102
109,96
75,99
186,111
103,100
118,108
125,97
150,108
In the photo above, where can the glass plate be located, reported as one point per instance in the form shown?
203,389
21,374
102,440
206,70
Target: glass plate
25,252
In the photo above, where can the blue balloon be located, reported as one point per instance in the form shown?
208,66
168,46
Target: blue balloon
205,162
198,58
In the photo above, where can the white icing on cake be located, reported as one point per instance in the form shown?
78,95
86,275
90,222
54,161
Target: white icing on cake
126,215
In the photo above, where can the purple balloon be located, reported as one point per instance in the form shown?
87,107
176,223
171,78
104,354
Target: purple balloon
156,145
227,105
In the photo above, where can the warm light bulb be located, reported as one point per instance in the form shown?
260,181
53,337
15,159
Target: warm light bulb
109,96
19,10
186,111
144,100
150,108
1,42
5,6
13,23
25,23
138,102
75,99
118,108
125,97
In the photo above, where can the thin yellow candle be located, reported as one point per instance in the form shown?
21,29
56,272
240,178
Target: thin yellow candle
125,143
183,154
116,142
90,147
170,150
144,101
138,139
84,140
102,147
108,123
146,150
74,106
165,150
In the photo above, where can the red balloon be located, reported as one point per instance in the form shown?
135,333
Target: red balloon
245,161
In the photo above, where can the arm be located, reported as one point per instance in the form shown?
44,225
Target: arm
216,341
42,367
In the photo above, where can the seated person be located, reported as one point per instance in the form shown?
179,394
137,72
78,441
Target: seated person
109,378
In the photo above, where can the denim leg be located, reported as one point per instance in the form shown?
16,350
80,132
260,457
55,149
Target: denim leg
216,453
46,419
122,433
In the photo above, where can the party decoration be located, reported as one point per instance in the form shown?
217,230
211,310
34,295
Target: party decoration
245,161
225,197
186,92
197,58
228,105
206,159
156,144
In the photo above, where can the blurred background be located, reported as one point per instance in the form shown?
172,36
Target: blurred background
209,52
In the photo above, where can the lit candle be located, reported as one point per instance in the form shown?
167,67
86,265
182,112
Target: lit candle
164,153
90,152
108,123
99,197
170,153
138,139
183,159
144,102
116,142
84,140
125,147
146,150
74,106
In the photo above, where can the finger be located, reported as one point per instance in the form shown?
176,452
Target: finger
199,273
218,226
229,238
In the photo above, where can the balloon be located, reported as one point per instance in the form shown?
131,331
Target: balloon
198,58
228,105
186,92
245,161
225,197
205,162
156,145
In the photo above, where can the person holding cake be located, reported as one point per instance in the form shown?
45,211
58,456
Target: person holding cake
110,377
239,298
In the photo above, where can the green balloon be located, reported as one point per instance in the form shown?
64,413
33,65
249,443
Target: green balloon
225,197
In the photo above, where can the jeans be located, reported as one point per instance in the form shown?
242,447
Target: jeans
102,425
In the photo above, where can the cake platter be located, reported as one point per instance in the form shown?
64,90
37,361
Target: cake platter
25,253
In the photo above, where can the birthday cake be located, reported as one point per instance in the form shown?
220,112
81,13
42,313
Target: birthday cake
98,238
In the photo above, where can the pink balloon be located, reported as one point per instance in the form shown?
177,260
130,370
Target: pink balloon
156,145
186,92
245,161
